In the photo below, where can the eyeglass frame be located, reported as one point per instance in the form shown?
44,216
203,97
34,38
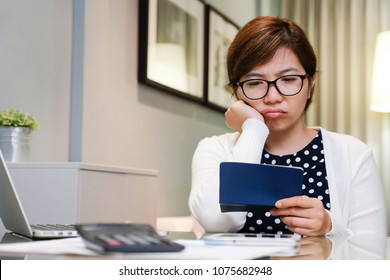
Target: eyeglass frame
269,83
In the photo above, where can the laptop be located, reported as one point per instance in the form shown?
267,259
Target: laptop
14,218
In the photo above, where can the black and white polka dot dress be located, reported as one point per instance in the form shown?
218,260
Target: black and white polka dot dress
315,184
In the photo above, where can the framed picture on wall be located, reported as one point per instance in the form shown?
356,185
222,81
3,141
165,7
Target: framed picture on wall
171,46
221,32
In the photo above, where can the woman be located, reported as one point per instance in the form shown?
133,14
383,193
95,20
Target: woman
272,73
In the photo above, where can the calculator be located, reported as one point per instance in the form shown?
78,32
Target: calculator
125,238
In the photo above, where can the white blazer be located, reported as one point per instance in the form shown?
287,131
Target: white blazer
356,192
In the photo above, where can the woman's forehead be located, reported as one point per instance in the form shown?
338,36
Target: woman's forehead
284,62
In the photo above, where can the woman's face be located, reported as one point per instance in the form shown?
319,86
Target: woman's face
280,112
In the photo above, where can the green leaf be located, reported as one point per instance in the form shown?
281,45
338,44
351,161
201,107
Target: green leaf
13,117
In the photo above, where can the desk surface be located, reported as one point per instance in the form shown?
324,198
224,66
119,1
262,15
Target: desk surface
309,248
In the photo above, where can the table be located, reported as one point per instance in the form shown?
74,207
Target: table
318,248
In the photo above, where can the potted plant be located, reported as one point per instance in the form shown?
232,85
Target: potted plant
15,131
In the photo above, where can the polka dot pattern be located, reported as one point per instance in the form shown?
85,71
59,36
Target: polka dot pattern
315,184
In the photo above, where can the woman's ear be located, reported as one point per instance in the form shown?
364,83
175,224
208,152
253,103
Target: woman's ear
313,79
312,83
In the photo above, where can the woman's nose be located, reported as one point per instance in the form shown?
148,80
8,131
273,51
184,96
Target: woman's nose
273,95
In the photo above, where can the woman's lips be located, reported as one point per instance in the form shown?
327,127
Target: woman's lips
272,113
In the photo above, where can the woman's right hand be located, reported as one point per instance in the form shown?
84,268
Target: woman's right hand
238,113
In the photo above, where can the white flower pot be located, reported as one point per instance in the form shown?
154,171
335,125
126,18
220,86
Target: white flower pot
14,143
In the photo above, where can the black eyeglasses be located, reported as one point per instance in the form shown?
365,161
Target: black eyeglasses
286,85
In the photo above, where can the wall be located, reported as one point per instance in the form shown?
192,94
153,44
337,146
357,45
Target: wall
35,61
73,64
126,123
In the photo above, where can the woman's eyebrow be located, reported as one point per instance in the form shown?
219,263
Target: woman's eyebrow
280,73
287,70
254,75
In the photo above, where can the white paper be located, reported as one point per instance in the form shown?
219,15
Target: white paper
194,249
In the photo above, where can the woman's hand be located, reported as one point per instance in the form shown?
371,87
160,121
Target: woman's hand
303,215
238,113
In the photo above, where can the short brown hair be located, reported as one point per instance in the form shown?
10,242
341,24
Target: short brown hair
257,42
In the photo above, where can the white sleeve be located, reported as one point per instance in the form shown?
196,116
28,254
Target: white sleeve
364,199
204,196
367,206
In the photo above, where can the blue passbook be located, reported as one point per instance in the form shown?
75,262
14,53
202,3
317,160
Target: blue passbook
247,185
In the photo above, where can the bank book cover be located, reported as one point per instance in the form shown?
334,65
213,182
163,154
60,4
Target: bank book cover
247,185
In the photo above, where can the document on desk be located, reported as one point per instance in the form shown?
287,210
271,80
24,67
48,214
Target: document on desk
194,250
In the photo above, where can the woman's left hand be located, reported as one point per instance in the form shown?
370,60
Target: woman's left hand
303,215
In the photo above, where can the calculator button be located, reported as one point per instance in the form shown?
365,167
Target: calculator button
113,243
124,239
139,240
109,241
152,240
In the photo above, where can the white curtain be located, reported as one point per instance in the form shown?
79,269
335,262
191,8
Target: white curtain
343,34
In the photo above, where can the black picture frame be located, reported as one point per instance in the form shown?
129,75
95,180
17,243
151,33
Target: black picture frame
220,32
171,46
